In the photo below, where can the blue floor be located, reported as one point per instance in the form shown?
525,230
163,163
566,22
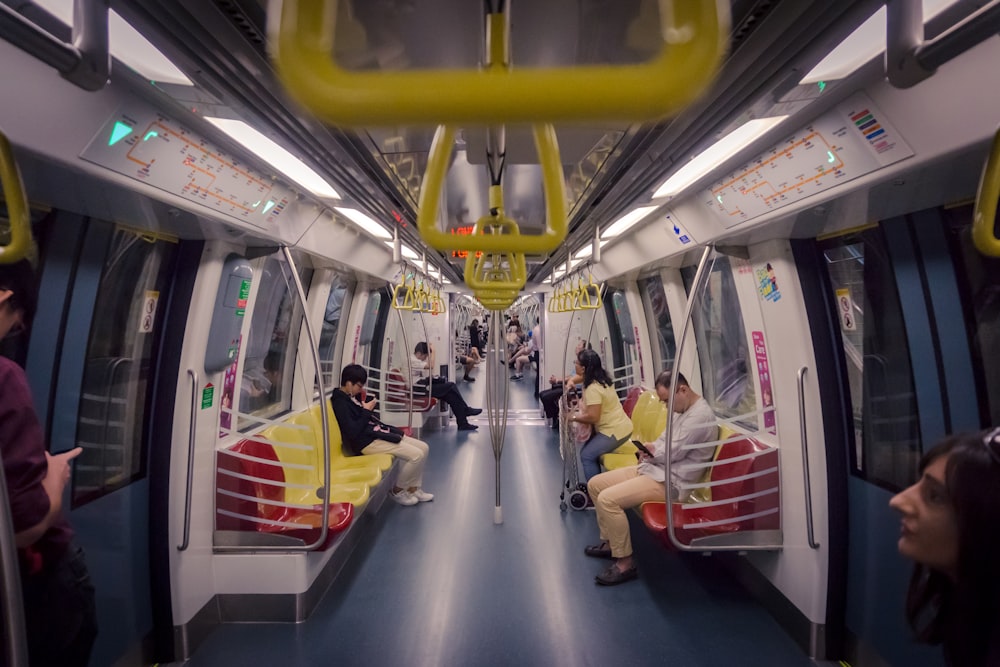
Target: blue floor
440,584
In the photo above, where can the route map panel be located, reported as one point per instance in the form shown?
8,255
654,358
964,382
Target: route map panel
152,148
852,140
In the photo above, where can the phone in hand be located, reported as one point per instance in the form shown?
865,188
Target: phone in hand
642,448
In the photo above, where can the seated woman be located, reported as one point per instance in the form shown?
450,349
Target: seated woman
602,409
363,433
949,528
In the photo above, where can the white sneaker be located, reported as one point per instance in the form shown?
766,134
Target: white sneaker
422,496
404,497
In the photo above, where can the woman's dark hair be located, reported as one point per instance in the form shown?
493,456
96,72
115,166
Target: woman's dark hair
964,613
420,348
592,369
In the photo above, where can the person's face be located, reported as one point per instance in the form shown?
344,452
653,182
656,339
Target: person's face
353,388
681,397
578,366
11,317
928,529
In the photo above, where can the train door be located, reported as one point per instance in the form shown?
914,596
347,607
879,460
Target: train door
894,290
106,289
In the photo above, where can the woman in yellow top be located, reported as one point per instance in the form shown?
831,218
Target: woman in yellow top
602,409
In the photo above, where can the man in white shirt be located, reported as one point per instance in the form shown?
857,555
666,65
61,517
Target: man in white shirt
421,364
615,491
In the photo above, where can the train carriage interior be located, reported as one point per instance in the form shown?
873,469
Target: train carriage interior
788,205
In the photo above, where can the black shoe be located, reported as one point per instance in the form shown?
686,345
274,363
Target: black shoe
613,576
468,379
467,427
472,412
598,551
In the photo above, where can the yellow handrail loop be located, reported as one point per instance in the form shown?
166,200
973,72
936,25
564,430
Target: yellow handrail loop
511,240
405,284
694,34
593,294
985,234
17,207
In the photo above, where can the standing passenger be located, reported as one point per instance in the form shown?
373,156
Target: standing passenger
363,433
951,529
602,409
59,610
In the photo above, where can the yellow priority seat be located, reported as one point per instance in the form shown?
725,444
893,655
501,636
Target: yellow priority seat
649,418
342,469
381,461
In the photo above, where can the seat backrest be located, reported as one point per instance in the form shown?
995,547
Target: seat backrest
261,470
297,446
628,405
724,471
654,417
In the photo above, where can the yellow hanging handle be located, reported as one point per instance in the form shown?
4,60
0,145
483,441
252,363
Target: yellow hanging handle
694,34
407,295
590,294
17,207
513,241
985,234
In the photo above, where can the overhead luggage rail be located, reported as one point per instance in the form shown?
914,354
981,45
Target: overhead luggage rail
985,234
303,38
17,207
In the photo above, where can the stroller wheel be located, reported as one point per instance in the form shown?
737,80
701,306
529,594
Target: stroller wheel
562,506
578,500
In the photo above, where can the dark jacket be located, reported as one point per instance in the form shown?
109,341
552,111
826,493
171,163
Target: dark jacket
358,427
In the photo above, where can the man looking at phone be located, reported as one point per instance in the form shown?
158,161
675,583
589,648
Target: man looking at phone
363,433
615,491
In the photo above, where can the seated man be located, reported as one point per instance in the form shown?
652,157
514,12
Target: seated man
423,359
524,356
615,491
550,397
468,361
362,433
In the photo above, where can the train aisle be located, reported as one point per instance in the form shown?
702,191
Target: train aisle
440,584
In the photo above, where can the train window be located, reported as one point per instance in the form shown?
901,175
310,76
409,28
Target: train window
117,372
654,301
622,337
723,351
269,360
981,275
332,314
884,406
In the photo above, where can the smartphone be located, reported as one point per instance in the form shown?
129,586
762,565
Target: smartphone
642,448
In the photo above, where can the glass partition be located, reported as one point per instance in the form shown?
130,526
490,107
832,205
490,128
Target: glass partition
654,302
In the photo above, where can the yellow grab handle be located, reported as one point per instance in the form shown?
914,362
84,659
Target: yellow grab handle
17,207
695,34
555,201
407,296
984,218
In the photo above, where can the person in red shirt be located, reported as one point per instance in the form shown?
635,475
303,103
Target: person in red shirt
59,609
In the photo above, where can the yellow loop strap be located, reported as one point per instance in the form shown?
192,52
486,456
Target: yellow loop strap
985,234
512,241
694,34
17,207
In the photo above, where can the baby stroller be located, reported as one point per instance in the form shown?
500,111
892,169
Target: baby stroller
574,490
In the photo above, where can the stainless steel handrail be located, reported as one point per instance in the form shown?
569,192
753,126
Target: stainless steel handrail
86,61
699,279
324,491
11,602
192,432
804,436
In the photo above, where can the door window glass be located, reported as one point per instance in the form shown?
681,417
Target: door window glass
117,376
722,341
654,301
269,361
884,405
332,317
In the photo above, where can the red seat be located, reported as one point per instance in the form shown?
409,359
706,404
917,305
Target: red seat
692,521
264,478
398,392
631,398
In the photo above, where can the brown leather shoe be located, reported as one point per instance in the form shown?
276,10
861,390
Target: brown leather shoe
613,576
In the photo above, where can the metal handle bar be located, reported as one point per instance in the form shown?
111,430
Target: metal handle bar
804,436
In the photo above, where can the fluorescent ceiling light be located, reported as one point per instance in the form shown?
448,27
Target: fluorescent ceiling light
866,42
622,224
408,252
276,156
364,222
715,154
126,44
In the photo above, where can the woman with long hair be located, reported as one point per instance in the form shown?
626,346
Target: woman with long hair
601,409
951,530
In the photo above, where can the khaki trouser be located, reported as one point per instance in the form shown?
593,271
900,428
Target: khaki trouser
615,491
413,453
